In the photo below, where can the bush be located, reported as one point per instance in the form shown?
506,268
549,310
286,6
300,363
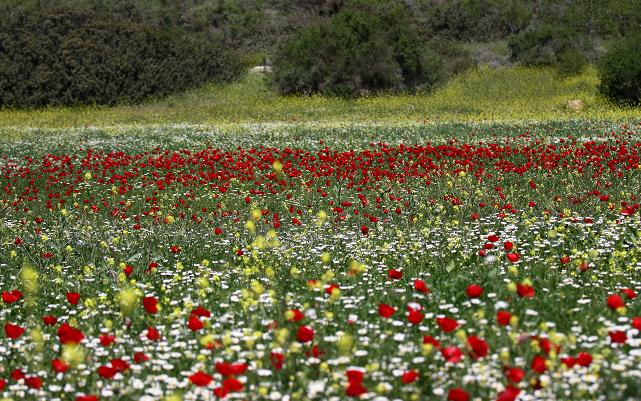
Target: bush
357,52
456,59
65,57
543,45
571,62
620,71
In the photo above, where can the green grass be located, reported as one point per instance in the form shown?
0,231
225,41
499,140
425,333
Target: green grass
484,94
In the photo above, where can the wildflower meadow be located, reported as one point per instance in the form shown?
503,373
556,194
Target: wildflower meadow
452,262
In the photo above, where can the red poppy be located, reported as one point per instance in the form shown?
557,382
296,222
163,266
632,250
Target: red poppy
507,245
201,312
17,374
355,386
618,337
474,291
87,398
514,374
478,346
409,377
431,340
106,339
305,334
153,334
446,324
355,389
584,359
615,301
194,323
221,392
69,335
457,394
420,286
33,382
231,384
629,293
231,369
151,266
452,354
636,323
509,394
218,231
315,352
150,304
395,274
538,364
200,379
140,357
277,360
513,257
119,365
128,269
13,331
354,375
9,297
525,290
386,311
73,298
568,361
59,366
329,288
493,238
49,320
107,372
296,314
503,317
415,316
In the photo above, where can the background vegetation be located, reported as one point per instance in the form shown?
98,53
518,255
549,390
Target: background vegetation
261,25
620,71
484,94
418,45
68,57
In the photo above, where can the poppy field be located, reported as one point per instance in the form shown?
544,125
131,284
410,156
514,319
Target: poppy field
454,262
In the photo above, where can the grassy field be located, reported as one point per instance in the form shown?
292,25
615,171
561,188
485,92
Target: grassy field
494,95
445,262
477,243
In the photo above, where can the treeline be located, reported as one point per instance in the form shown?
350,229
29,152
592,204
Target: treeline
263,25
72,57
67,52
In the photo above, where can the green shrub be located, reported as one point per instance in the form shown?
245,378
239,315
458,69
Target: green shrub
543,45
456,59
571,62
620,71
357,52
66,57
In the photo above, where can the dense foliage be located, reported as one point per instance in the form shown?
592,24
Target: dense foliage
261,25
356,52
620,71
66,57
549,45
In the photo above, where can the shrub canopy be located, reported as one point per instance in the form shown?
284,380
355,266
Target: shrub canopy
66,57
620,71
357,52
